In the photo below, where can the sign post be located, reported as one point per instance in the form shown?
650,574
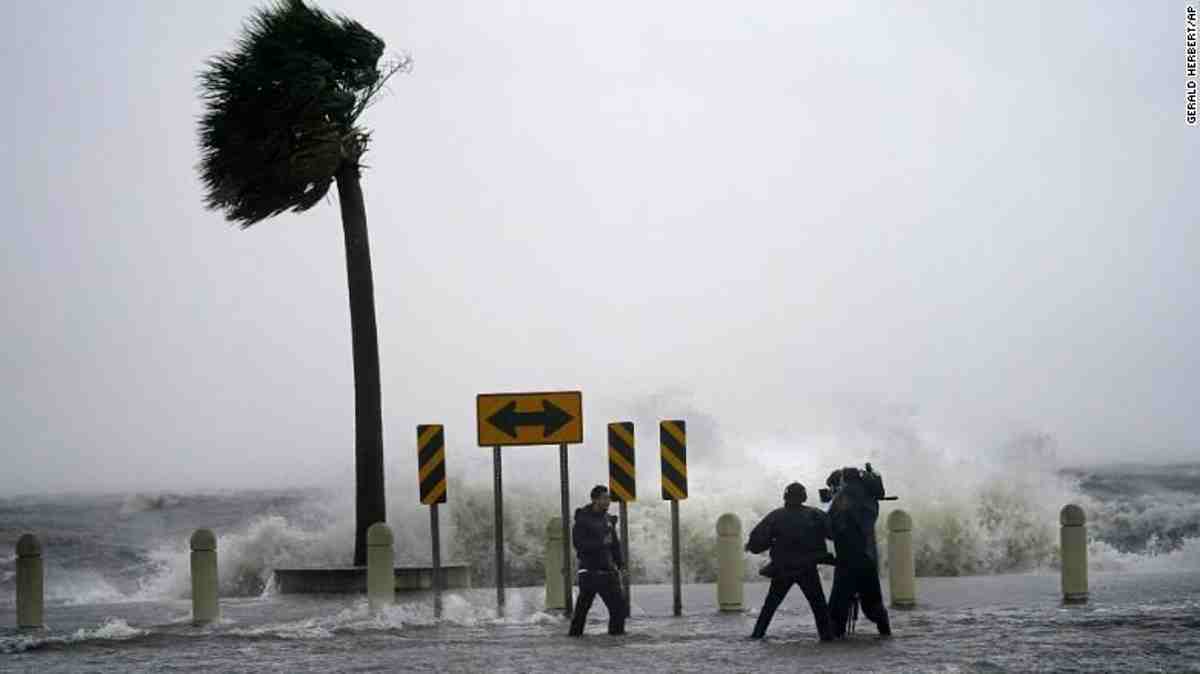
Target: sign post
673,444
622,484
513,419
431,479
435,533
498,487
566,530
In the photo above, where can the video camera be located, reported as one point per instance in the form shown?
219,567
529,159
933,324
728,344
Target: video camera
838,479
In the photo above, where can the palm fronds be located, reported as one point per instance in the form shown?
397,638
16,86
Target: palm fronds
281,110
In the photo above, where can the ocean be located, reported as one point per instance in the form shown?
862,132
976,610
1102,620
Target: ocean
988,593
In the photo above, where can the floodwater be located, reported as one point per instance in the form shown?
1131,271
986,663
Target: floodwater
1134,622
117,583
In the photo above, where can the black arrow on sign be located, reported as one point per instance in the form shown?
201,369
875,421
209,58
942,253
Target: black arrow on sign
551,419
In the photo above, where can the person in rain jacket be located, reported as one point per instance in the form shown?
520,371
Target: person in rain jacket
795,534
852,516
600,563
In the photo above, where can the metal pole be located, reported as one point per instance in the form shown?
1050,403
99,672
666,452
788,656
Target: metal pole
498,482
566,530
675,556
437,560
625,554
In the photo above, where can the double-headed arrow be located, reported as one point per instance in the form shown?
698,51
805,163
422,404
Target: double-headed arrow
552,418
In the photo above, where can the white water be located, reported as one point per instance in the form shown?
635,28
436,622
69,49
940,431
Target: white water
977,510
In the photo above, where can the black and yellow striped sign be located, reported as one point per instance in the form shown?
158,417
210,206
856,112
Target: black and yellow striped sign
622,479
431,463
672,437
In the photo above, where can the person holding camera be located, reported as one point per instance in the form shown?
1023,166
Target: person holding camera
852,515
795,534
600,563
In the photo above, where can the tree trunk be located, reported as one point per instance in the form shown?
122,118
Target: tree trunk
369,506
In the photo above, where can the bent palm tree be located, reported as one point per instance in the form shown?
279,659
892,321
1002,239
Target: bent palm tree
279,127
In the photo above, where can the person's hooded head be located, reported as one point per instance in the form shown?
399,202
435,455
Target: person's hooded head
794,494
601,499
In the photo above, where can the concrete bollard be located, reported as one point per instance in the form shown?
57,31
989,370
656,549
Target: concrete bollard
31,596
205,581
730,561
381,566
555,591
901,568
1074,554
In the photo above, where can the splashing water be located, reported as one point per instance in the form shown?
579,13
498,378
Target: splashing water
112,629
976,511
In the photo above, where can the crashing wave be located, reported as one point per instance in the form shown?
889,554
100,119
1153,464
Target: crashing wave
112,629
976,510
247,558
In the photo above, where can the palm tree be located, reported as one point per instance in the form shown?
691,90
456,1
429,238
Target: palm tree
279,127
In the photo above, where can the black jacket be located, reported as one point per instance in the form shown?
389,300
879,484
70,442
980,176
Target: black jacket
596,542
852,516
795,535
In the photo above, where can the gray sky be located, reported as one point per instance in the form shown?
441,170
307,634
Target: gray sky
787,217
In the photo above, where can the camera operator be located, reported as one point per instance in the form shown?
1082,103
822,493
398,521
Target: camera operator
852,516
600,563
796,535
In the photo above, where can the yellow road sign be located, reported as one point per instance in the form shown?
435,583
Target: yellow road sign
622,476
553,418
673,442
431,463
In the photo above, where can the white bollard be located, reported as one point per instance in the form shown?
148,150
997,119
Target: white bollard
555,592
205,581
901,569
1074,554
730,561
381,566
30,583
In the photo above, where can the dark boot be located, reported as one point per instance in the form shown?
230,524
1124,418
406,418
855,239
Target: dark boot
885,626
824,622
764,619
837,628
825,629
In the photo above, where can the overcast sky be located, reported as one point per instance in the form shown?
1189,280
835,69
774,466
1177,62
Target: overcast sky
979,218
